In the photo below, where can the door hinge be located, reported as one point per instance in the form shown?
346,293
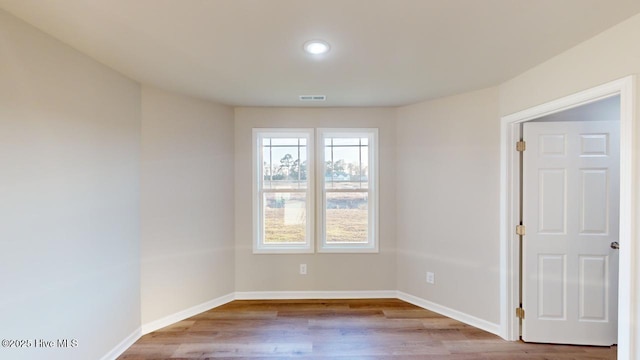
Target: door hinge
521,146
520,313
521,230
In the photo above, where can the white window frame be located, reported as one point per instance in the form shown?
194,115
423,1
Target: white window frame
371,246
259,246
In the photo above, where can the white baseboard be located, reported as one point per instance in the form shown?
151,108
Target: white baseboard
279,295
123,345
448,312
186,313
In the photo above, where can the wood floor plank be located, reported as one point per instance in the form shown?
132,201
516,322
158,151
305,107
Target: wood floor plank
261,325
140,351
231,349
445,323
410,314
331,313
237,314
179,326
375,329
360,323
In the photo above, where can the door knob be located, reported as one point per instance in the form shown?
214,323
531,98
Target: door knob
615,245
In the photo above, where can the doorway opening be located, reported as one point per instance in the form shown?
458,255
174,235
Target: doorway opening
510,204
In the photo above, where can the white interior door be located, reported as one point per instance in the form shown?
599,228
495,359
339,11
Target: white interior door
571,210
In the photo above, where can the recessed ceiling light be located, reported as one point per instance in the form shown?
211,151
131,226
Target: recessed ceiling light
316,47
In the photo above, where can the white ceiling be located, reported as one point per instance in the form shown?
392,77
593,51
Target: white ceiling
384,52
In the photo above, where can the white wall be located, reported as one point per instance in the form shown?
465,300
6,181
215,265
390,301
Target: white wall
326,272
69,197
187,205
448,202
611,55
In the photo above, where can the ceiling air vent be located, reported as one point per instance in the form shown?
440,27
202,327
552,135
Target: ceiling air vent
313,97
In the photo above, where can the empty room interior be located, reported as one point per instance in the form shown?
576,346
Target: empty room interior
346,179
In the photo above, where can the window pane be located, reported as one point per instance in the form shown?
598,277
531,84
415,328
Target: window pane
288,171
344,164
365,160
267,168
364,170
285,218
347,156
284,141
342,185
346,217
346,141
300,168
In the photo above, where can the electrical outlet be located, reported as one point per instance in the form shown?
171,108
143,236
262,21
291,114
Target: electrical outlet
431,278
303,269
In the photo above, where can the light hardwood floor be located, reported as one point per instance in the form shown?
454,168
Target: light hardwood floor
338,329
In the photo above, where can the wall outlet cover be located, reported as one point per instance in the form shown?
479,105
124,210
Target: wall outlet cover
431,278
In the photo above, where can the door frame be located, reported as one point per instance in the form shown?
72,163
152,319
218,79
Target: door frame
510,205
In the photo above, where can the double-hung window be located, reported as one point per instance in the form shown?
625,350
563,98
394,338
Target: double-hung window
295,187
283,190
348,190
